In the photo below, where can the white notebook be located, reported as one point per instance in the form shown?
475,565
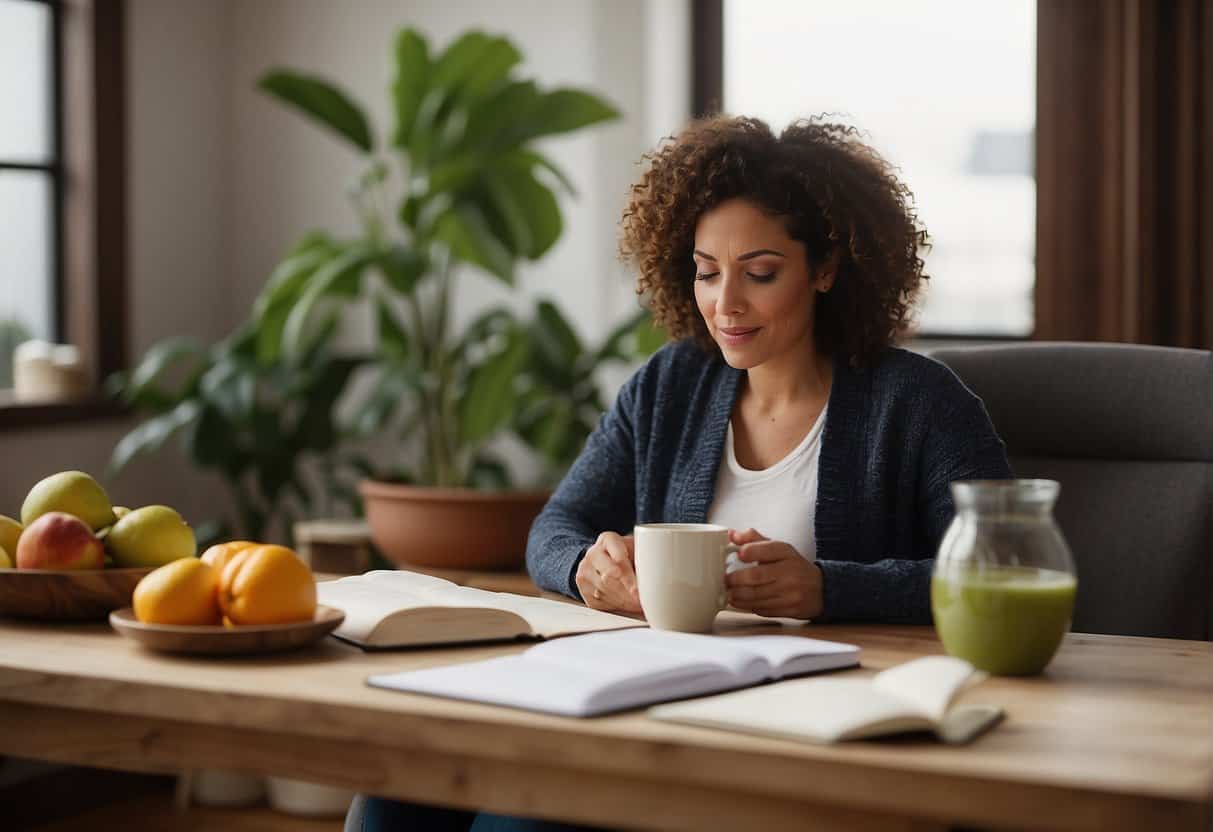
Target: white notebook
602,672
914,696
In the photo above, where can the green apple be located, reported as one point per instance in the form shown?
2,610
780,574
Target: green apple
150,536
72,492
10,531
5,561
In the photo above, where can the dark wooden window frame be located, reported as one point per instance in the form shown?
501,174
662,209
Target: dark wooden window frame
90,258
707,96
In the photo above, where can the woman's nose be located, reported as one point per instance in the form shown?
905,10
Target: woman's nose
732,295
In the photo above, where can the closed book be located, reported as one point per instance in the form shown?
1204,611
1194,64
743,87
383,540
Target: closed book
388,609
603,672
918,695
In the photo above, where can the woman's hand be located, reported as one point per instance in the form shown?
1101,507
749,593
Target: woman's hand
606,576
781,584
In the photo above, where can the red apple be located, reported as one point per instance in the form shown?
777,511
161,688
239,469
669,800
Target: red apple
59,541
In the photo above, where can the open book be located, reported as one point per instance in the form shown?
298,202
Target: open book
914,696
387,608
594,674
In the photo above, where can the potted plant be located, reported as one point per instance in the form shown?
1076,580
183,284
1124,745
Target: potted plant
471,191
256,424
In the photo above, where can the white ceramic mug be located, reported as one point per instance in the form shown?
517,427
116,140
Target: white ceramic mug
680,570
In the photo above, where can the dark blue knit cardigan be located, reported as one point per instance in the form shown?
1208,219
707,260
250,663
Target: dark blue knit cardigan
897,432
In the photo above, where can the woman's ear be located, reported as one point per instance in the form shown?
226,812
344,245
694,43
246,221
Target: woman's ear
828,271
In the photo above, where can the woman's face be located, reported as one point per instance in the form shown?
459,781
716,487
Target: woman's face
754,286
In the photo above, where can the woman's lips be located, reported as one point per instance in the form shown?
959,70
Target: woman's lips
733,336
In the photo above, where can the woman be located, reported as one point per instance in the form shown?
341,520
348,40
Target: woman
785,267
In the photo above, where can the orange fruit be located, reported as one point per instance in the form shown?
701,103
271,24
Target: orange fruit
266,585
183,591
217,556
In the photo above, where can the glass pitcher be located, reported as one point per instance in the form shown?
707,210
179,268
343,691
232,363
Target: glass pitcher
1004,583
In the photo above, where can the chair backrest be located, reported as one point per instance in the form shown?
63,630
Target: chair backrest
1128,432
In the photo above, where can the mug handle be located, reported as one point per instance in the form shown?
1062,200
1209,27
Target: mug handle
722,599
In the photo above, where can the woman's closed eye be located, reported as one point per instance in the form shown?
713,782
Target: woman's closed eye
756,276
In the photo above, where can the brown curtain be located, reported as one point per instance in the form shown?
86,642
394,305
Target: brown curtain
1124,170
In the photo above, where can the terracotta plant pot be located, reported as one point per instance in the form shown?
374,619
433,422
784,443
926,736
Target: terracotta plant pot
450,528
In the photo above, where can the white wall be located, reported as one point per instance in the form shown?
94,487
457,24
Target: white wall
222,179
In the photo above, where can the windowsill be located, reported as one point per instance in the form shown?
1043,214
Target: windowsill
16,415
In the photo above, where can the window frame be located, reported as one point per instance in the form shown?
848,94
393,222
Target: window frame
90,248
707,96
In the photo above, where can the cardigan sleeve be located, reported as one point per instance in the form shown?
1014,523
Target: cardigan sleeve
597,495
960,443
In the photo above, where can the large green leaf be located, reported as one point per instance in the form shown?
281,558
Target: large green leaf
489,401
316,429
470,240
229,387
393,339
504,214
140,389
495,322
460,60
637,337
497,57
323,102
402,267
339,277
649,338
555,432
534,203
211,440
388,393
412,76
423,139
489,474
453,174
273,473
531,159
561,111
441,117
282,292
152,434
503,111
555,335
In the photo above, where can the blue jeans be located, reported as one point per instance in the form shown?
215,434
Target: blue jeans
382,815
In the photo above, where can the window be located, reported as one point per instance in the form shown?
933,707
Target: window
945,90
30,176
62,190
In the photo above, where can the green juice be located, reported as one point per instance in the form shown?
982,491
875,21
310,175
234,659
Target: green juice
1005,620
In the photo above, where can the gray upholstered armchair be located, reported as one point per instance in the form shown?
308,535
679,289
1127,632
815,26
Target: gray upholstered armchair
1128,432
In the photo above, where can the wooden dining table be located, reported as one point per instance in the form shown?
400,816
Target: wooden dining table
1116,734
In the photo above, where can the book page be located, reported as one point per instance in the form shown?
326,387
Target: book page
586,675
619,652
791,655
817,710
368,598
550,618
510,680
928,685
365,604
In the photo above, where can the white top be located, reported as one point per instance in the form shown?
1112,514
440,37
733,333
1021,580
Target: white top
780,501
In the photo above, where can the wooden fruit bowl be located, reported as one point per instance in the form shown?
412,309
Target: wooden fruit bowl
216,639
63,595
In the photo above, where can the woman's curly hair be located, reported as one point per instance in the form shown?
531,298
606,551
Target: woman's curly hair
836,194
